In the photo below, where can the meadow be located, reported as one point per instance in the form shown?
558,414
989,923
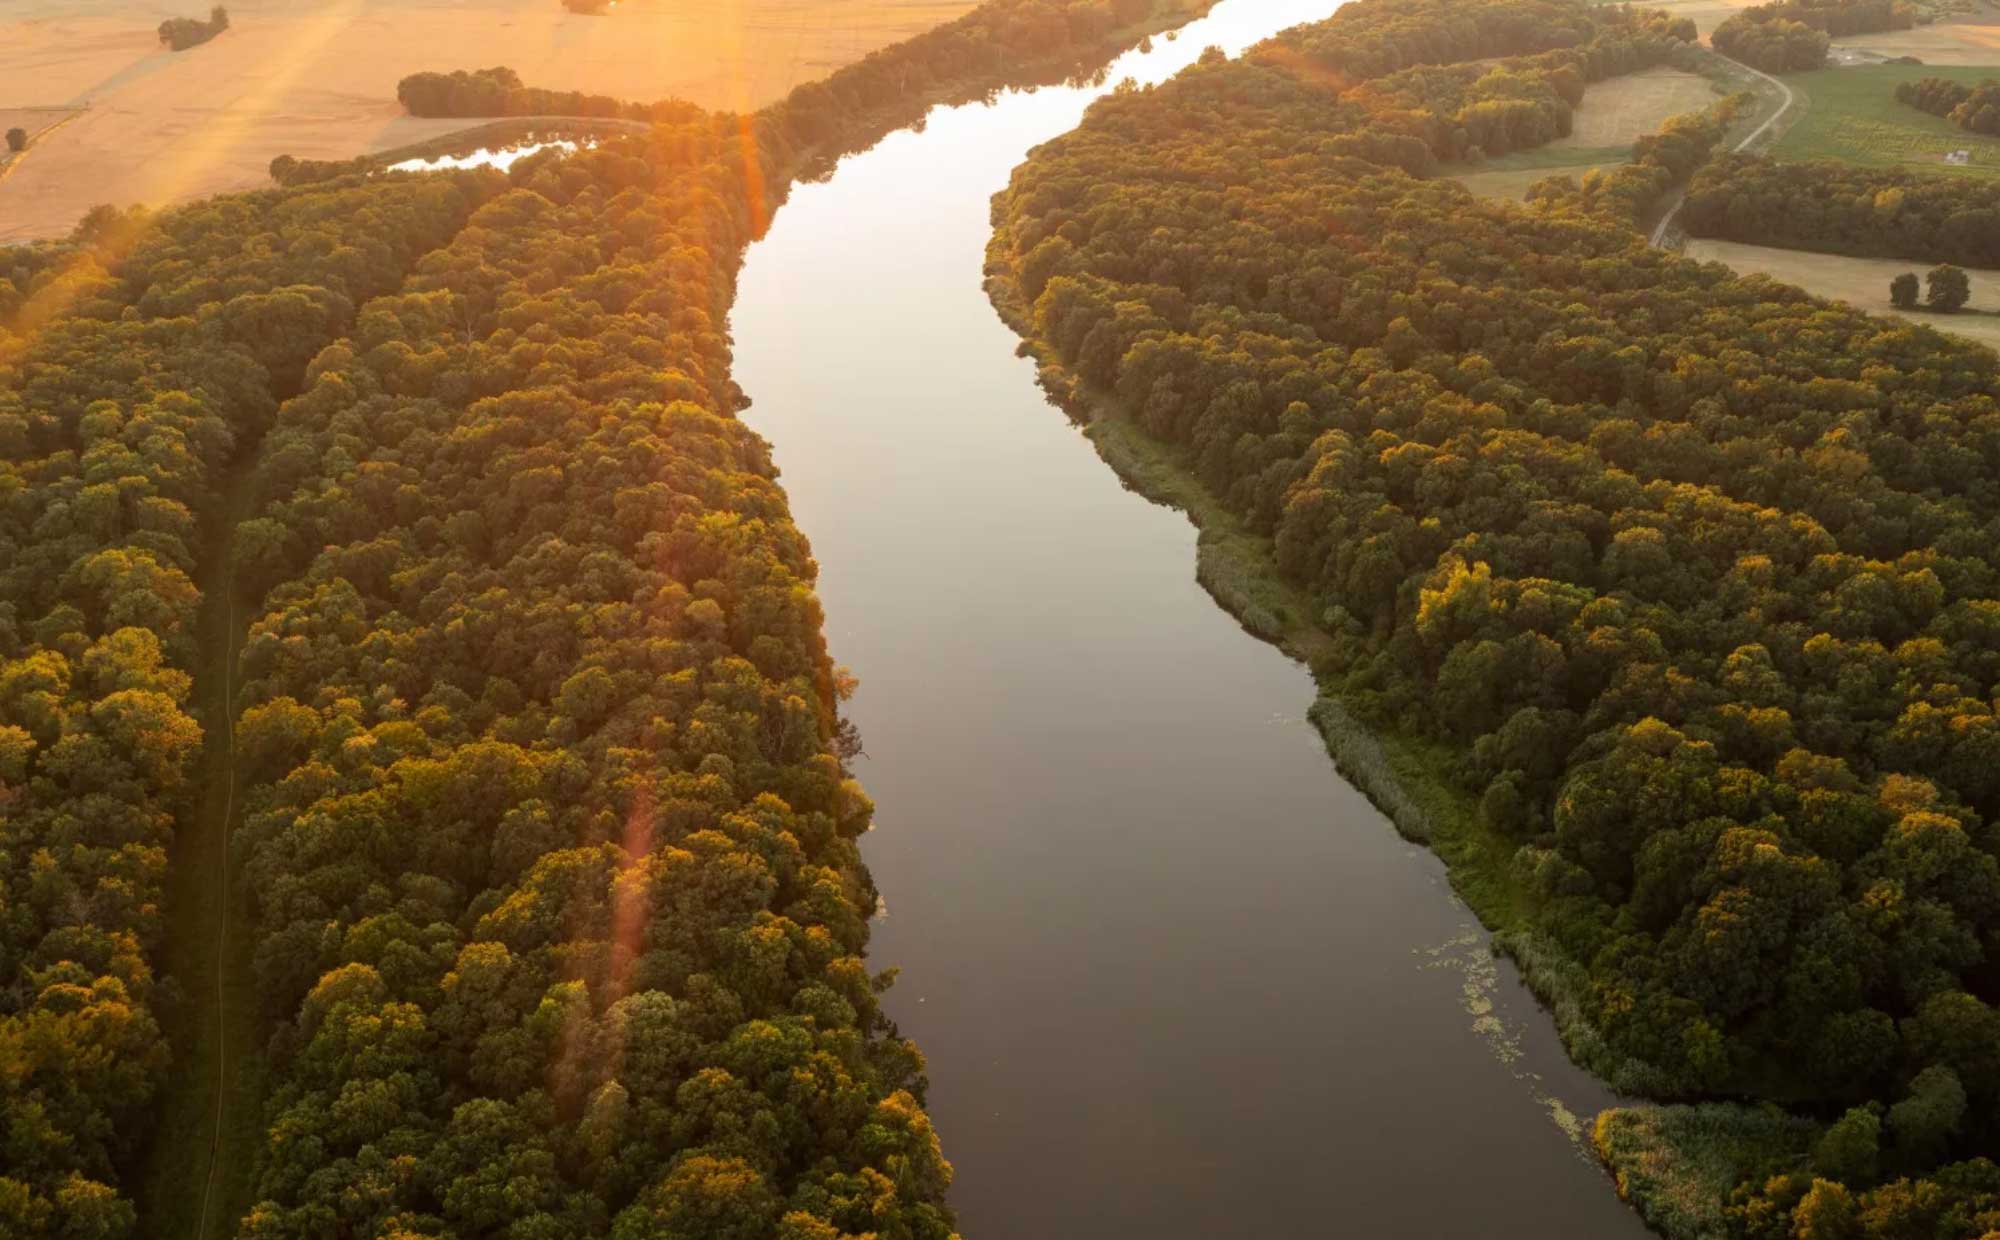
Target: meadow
1852,115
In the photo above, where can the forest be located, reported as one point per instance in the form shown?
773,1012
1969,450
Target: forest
549,833
1692,575
1975,109
1838,208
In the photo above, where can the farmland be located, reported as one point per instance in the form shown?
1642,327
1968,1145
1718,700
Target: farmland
319,81
1852,115
1861,282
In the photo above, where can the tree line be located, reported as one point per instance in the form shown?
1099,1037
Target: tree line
1793,35
499,92
1975,109
1840,208
1691,573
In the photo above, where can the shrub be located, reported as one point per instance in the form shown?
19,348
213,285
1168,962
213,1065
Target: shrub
182,33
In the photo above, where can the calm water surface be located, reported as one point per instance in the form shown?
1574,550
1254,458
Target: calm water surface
1174,977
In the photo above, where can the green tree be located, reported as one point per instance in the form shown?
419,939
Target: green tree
1850,1149
1927,1118
1903,291
1947,288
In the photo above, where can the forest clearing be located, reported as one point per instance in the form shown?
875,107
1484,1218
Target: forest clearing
1613,116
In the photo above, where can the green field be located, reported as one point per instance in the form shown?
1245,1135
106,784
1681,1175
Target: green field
1852,115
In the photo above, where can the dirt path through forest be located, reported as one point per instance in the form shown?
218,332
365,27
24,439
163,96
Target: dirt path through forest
196,1182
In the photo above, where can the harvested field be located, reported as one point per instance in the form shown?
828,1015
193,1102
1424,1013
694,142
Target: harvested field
1618,111
1861,282
317,78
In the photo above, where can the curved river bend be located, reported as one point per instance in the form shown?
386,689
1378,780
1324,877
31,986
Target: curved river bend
1175,978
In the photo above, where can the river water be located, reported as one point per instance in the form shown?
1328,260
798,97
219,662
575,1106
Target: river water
502,157
1174,977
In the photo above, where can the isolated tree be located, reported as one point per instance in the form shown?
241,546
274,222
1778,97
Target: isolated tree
17,139
1948,288
1903,291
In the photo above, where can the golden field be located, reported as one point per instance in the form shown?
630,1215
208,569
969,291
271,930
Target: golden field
1861,282
317,79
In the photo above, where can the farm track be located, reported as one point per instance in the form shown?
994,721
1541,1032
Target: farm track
210,1108
1790,99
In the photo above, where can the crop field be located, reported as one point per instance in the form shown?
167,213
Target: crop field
1861,282
318,80
1852,115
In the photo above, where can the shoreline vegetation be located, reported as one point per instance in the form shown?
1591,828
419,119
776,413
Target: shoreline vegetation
1402,776
1675,1163
1395,519
538,740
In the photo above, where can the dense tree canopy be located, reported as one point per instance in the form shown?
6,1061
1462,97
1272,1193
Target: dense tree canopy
1841,208
550,843
1694,572
550,838
136,359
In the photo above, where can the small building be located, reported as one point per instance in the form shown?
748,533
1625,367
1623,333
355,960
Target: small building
1958,157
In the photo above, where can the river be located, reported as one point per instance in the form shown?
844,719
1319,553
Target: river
1173,976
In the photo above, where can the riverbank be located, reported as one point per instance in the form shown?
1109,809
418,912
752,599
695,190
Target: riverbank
1405,777
1148,938
1672,1162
